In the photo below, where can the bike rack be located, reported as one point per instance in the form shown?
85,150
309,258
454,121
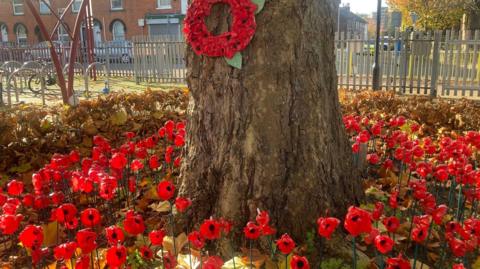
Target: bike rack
77,65
87,75
32,65
12,76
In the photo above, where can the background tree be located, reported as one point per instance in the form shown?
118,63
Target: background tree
432,14
270,135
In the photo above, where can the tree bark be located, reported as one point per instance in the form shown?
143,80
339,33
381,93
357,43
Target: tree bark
270,135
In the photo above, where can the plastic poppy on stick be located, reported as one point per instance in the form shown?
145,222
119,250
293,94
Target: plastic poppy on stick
227,44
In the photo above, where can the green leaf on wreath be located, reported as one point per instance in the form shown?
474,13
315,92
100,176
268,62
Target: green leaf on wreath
235,61
260,4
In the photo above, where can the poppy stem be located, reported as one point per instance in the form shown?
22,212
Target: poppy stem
459,203
415,256
286,261
251,257
354,254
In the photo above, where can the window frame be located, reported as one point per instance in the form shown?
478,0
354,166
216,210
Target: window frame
160,6
44,12
3,27
17,37
116,8
74,10
15,5
114,35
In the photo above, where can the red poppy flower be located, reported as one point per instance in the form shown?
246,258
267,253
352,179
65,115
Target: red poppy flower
38,254
156,237
326,226
165,190
31,236
369,238
357,221
378,211
114,235
118,161
86,240
15,187
267,230
9,223
196,239
116,256
211,229
90,217
65,212
146,253
133,223
64,251
179,141
213,262
393,200
299,262
458,266
57,198
182,204
169,261
285,244
419,233
27,200
226,225
72,224
384,244
154,162
252,231
136,165
458,247
373,158
391,223
262,218
439,213
83,262
398,263
177,161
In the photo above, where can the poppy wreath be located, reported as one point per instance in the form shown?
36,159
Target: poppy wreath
226,44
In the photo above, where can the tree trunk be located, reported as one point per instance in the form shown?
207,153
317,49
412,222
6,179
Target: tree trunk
270,135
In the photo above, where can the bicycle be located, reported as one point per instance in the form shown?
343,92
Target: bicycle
34,82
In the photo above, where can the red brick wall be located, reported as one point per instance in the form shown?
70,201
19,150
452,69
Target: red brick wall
133,10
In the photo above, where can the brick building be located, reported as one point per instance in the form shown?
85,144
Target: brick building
113,19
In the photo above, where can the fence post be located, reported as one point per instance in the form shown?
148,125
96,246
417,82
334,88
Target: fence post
435,63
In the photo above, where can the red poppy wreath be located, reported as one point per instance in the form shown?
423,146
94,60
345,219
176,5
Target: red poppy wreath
228,44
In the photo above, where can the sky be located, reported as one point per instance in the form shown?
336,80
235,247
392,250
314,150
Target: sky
363,6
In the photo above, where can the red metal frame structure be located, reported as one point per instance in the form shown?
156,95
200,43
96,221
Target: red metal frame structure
85,13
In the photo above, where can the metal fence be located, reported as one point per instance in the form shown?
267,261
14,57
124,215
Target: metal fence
146,59
445,64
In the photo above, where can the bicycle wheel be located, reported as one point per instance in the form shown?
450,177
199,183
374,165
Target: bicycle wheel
35,84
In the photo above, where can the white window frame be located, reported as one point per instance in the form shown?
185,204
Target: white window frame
62,34
15,5
116,8
77,4
46,10
18,37
160,5
3,33
114,35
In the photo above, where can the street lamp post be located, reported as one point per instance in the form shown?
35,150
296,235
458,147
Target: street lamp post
376,66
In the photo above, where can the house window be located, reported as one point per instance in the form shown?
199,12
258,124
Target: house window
164,4
21,32
44,8
17,7
116,4
62,34
4,33
76,6
118,30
